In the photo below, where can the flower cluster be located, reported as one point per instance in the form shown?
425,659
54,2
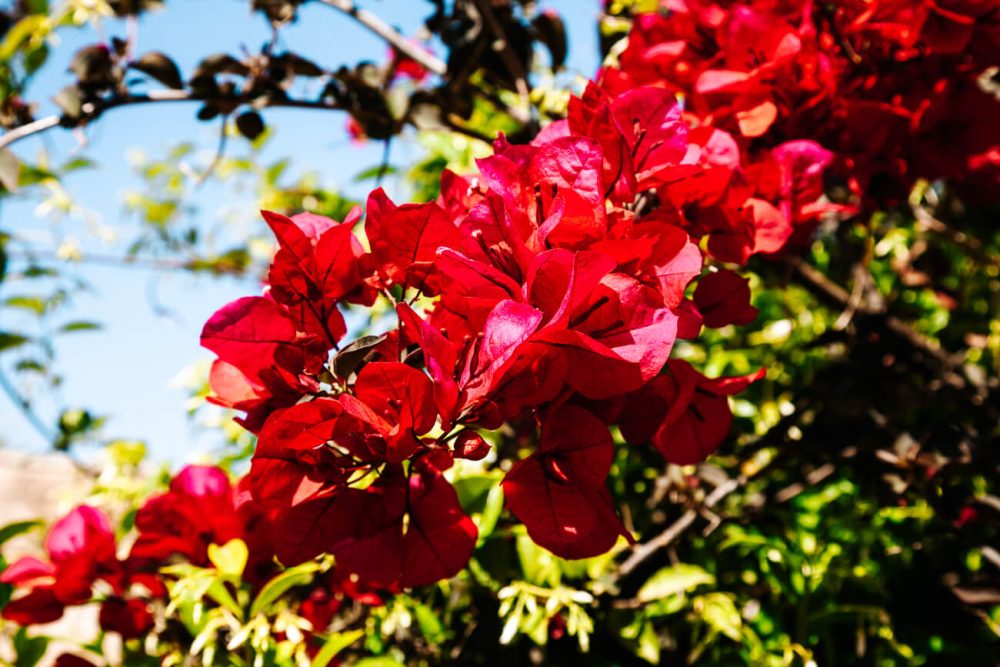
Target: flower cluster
194,525
899,88
200,508
544,292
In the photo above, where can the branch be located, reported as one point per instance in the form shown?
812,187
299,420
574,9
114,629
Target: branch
814,280
369,20
93,110
34,127
192,264
220,151
643,552
971,245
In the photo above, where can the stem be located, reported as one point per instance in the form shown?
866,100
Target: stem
34,127
220,151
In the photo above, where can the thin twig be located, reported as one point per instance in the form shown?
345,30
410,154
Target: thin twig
644,551
952,370
973,246
467,131
219,153
120,262
384,166
399,42
28,129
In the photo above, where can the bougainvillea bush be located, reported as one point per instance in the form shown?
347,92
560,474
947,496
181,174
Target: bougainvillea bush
483,424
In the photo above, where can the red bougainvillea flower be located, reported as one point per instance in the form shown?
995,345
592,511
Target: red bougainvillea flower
882,83
684,414
263,362
199,509
396,402
406,529
723,298
317,266
81,551
130,618
559,492
557,277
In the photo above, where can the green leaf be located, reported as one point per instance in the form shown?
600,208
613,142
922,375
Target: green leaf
648,644
217,591
336,643
33,303
491,512
30,28
672,580
126,453
230,558
80,325
76,164
12,530
380,661
719,611
431,626
279,585
11,340
372,173
29,650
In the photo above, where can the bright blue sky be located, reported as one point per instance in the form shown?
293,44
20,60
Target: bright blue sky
125,370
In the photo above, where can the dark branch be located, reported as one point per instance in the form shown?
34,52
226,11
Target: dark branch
816,282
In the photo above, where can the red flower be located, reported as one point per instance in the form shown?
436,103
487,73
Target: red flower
684,414
129,618
81,550
559,493
723,298
199,509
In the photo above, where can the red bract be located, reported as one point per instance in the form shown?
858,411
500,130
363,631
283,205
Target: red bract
723,298
405,239
81,550
129,618
199,509
683,414
264,361
559,493
404,530
316,267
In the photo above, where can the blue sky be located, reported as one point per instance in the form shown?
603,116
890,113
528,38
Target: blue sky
125,370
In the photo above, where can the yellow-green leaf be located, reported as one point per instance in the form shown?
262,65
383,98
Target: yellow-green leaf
230,558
